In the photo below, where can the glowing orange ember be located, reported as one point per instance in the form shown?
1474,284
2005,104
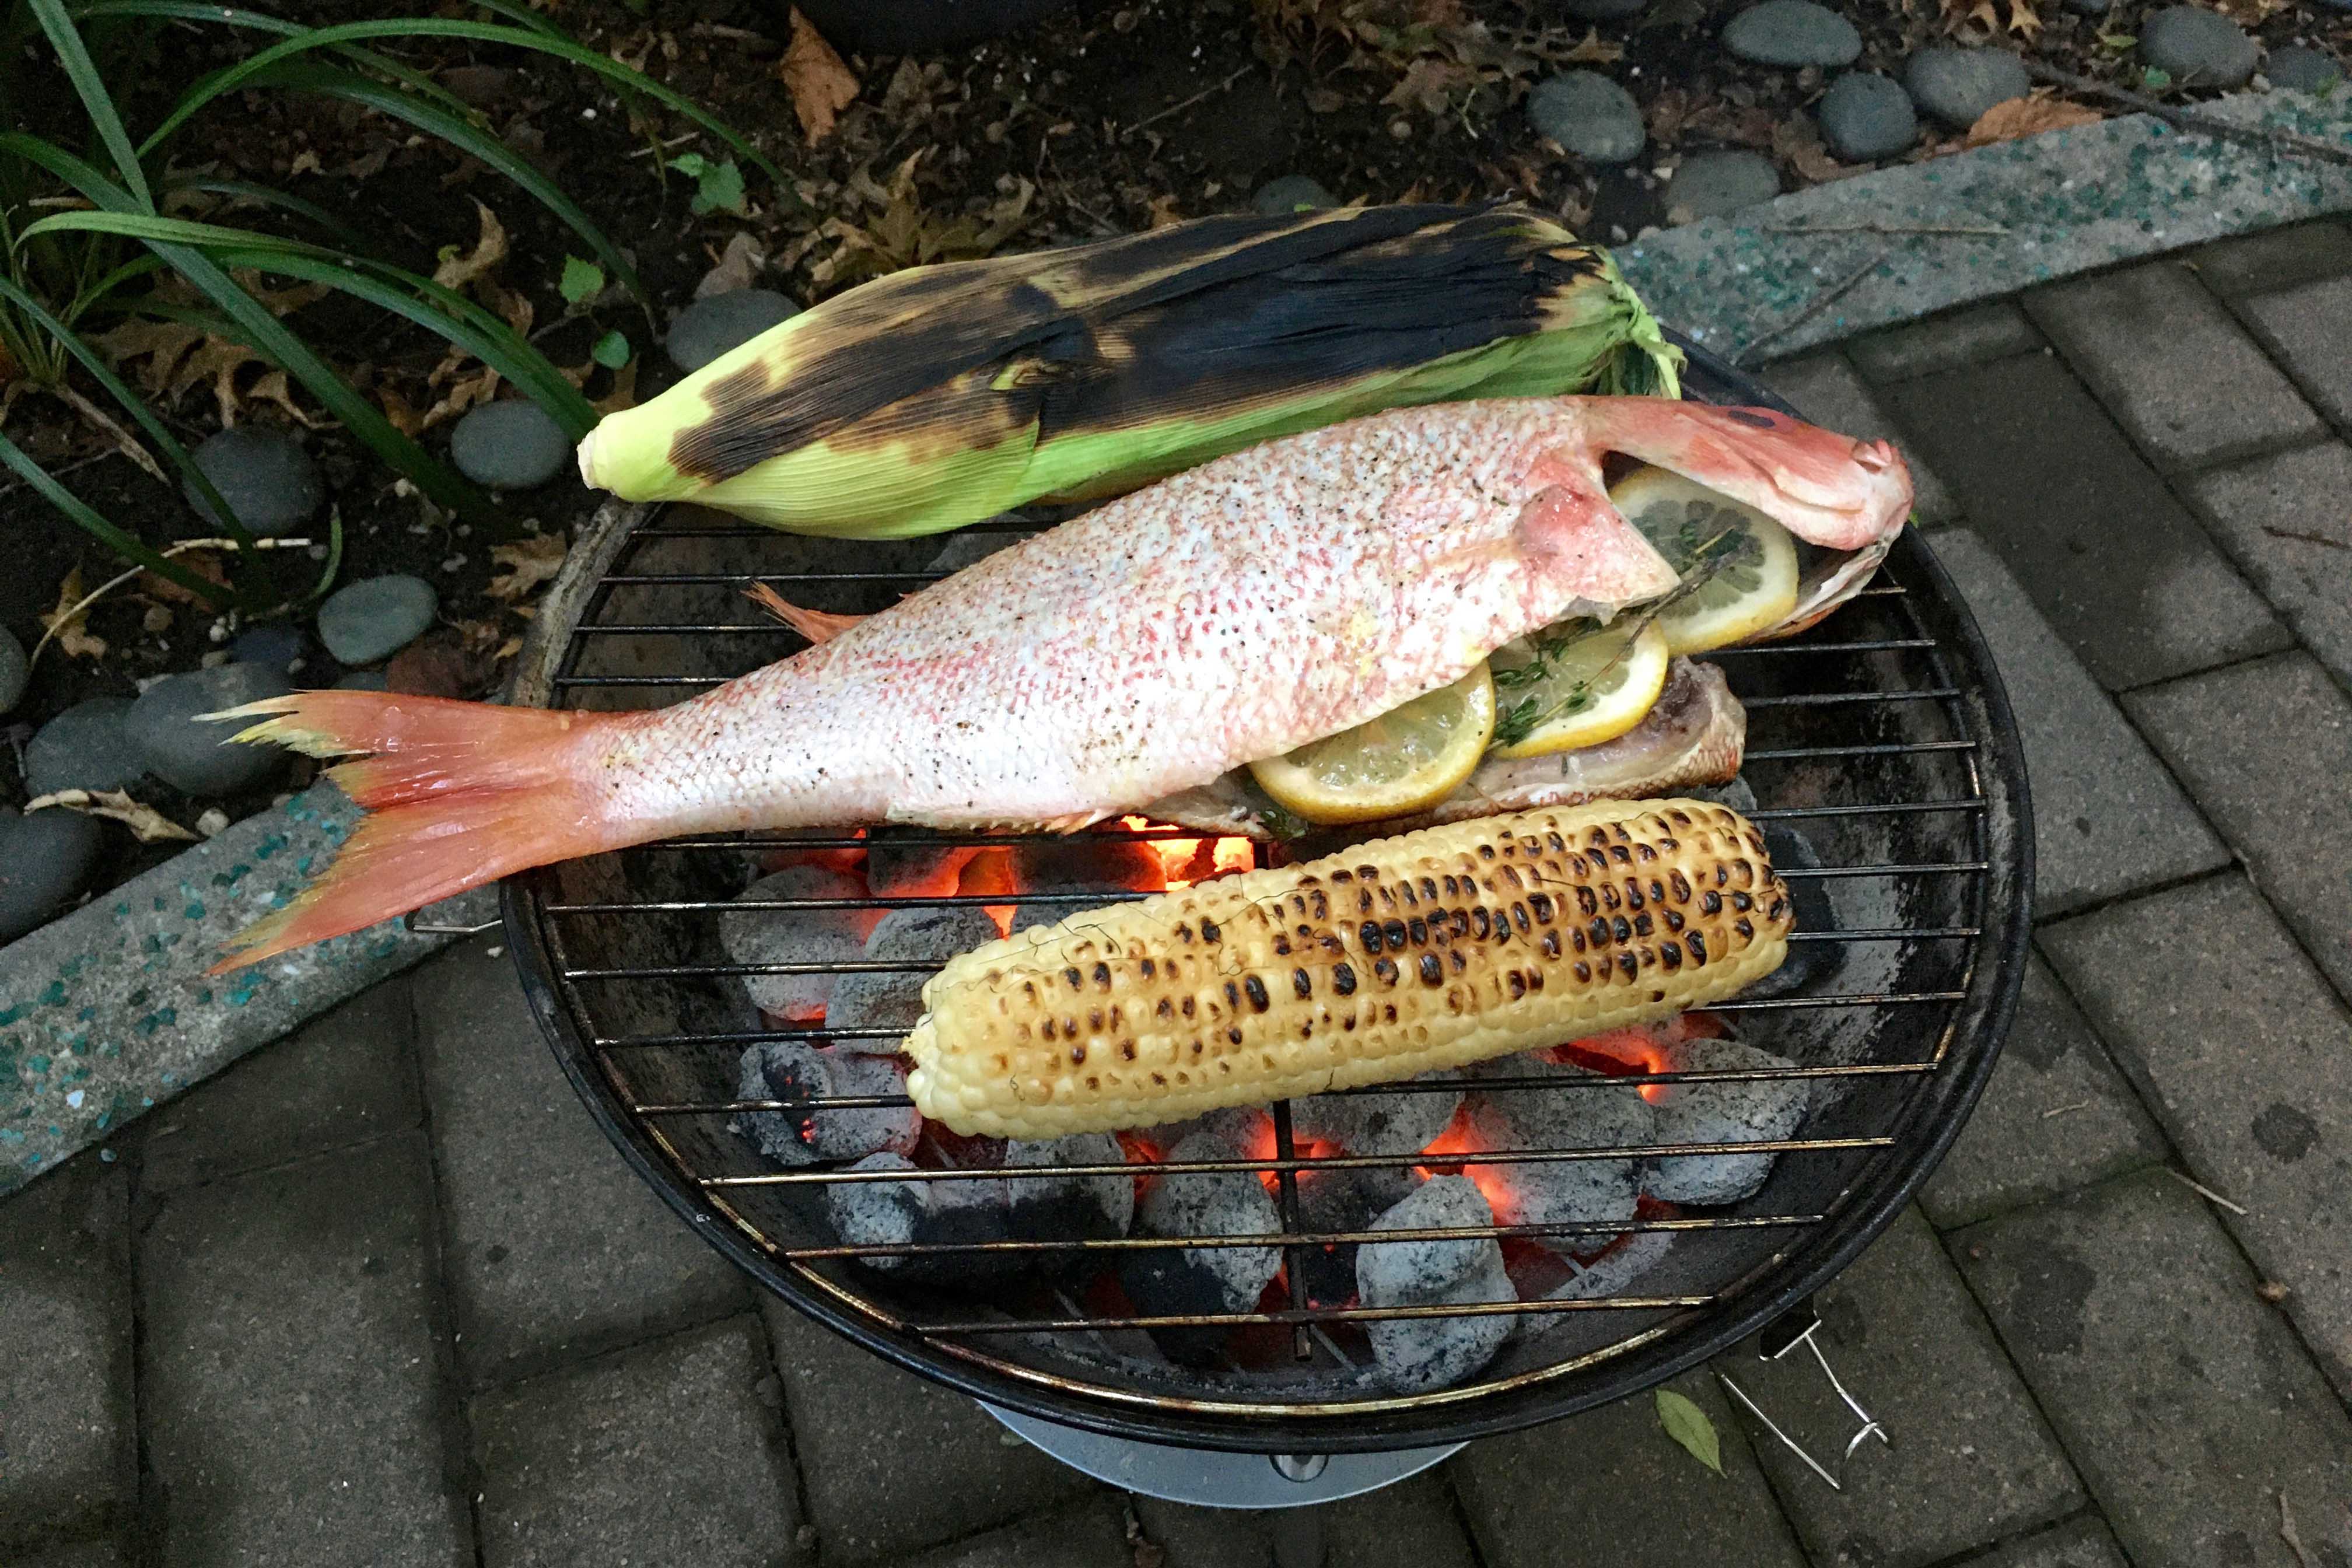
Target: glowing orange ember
1456,1139
1191,860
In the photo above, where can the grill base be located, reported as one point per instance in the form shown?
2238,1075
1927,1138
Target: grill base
1209,1478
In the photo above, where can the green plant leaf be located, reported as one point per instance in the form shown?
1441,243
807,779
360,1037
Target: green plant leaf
2118,42
2155,77
718,187
612,351
172,230
1686,1424
583,280
270,197
82,71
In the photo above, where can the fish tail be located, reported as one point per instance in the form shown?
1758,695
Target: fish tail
817,625
457,795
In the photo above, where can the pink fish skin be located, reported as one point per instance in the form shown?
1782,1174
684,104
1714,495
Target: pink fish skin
1225,615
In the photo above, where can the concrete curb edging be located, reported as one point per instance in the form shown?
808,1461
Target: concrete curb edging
107,1011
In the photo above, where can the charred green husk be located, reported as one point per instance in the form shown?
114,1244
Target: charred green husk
935,396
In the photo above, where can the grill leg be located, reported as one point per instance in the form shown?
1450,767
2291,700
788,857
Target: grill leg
1298,1537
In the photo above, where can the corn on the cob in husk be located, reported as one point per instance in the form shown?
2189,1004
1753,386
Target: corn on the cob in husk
1396,957
938,395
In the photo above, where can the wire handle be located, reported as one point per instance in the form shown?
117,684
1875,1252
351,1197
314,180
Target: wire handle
1799,1325
409,923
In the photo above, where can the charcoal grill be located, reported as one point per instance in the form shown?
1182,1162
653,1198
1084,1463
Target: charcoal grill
1882,735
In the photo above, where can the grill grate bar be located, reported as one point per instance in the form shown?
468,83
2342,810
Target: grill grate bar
1868,645
1828,698
1281,1165
1301,1238
1290,1316
1813,753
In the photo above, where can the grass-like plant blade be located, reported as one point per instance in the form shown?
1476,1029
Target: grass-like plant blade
269,195
96,100
99,527
165,230
229,17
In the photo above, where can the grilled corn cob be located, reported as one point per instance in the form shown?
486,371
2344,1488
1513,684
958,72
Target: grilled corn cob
1431,950
938,395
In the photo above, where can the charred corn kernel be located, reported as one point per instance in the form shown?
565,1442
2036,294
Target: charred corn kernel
1400,956
938,395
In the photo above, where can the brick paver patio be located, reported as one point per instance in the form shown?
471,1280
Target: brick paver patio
383,1295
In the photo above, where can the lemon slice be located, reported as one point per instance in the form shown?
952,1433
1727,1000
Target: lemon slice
1576,684
1408,758
1754,588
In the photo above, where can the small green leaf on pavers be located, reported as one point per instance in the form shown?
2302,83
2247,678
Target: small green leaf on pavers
718,187
1686,1424
583,280
2155,77
2118,42
611,351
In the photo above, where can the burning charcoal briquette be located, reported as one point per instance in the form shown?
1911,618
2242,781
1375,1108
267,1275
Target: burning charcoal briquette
1737,1112
794,936
1592,1115
1087,863
1359,1123
794,1069
895,999
925,1212
897,868
1342,1201
1419,1354
1202,1279
1057,1207
1808,963
1246,1126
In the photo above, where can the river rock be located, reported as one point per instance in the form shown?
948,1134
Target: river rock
277,644
509,446
1866,117
45,860
195,754
2199,48
1602,10
83,747
263,475
1792,33
14,670
1289,193
1711,184
1957,85
709,328
375,617
1589,115
2293,68
364,680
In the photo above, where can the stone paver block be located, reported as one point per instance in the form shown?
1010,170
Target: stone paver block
2121,571
2056,1116
2278,258
2083,1542
2185,1402
2286,520
66,1437
661,1452
2107,818
1090,1536
1824,388
88,1554
2248,1061
856,1419
292,1371
1411,1524
556,1247
2161,381
341,1078
2266,750
1961,338
1971,1460
1610,1489
2309,330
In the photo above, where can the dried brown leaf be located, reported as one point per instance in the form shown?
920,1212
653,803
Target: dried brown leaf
1591,49
160,345
66,623
1430,84
738,267
218,361
1798,143
1163,212
2028,117
272,388
150,826
490,248
2025,20
820,84
528,563
623,394
202,563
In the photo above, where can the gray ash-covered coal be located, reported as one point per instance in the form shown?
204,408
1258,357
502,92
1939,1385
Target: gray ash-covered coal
1586,1112
933,1211
911,864
1403,1123
796,1070
1738,1111
796,937
893,1000
1188,1280
1337,1201
1062,1205
1418,1354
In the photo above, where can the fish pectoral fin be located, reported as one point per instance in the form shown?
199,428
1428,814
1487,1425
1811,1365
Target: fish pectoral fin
817,625
1571,527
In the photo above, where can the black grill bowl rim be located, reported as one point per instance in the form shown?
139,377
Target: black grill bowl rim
1931,1120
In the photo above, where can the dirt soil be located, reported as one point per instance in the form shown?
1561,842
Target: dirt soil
1108,119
